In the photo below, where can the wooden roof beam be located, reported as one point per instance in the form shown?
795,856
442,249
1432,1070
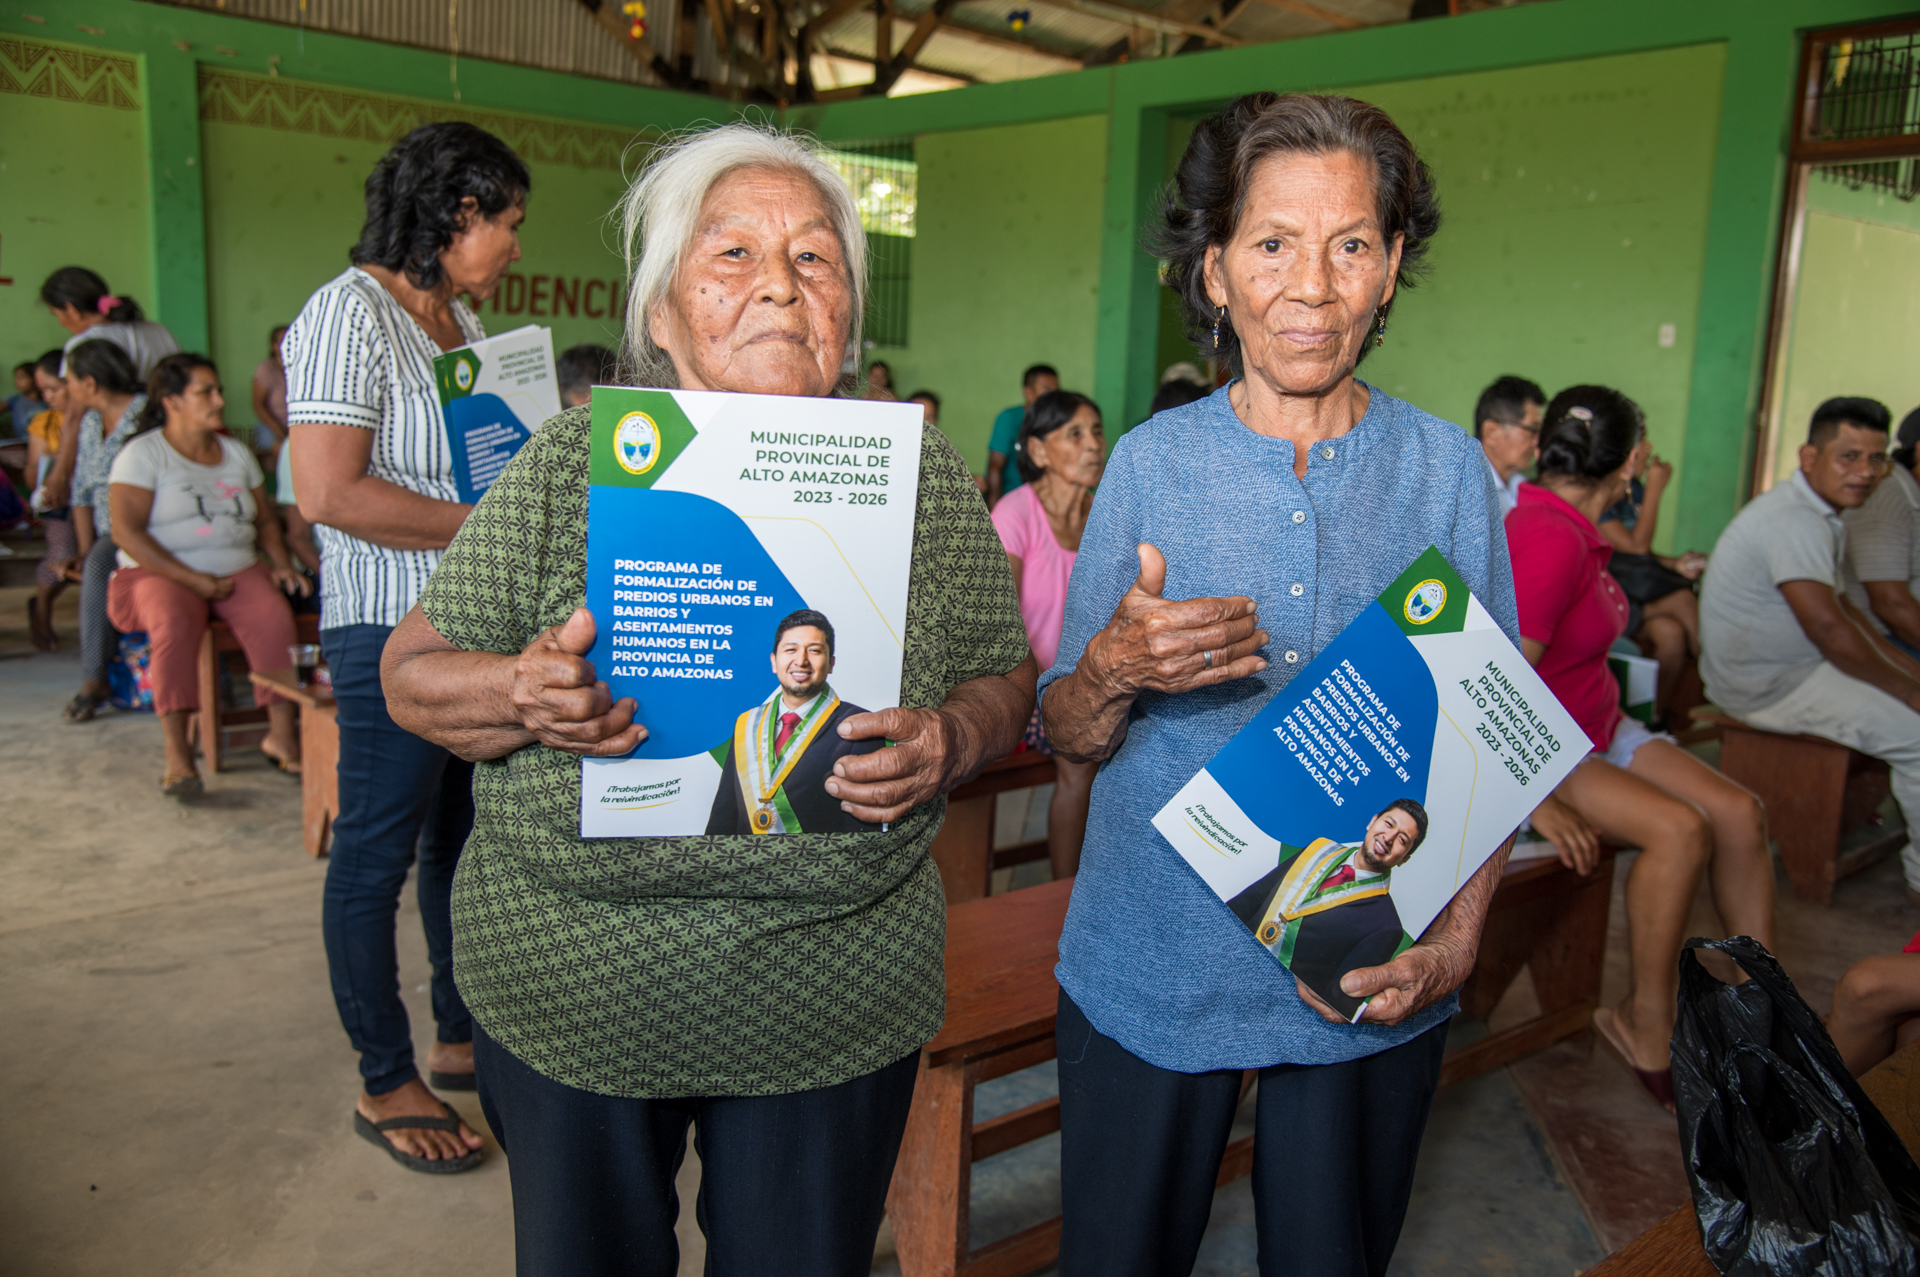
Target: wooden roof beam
1344,21
998,41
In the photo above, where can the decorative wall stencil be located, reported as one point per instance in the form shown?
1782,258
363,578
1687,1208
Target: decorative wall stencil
230,97
69,74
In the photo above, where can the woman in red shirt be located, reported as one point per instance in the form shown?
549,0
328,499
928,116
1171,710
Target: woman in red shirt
1637,787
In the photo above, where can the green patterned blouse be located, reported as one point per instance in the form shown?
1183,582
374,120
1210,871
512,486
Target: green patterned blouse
656,967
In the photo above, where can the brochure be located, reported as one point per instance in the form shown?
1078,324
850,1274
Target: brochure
494,394
747,565
1339,822
1639,679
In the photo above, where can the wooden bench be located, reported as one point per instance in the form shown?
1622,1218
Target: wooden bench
218,721
1816,791
1001,1001
963,849
1551,921
319,757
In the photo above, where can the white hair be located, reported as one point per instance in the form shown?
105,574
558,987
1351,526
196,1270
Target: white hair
660,212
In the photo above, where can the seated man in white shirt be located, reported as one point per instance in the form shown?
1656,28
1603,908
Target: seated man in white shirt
1784,647
1883,546
1506,421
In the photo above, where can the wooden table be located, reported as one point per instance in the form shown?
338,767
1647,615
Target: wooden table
319,757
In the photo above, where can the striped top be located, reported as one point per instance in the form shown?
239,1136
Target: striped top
355,357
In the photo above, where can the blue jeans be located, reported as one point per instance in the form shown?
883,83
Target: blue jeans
397,792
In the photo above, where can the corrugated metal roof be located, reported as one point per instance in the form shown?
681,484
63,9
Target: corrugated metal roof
557,35
976,42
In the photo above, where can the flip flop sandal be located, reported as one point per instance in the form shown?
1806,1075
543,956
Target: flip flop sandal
82,707
451,1081
182,788
1657,1082
291,766
371,1132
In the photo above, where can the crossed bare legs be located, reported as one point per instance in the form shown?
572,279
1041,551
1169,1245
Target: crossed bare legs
415,1100
1687,819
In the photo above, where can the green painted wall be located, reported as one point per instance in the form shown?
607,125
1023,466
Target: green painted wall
1006,268
1576,198
63,203
283,208
1856,312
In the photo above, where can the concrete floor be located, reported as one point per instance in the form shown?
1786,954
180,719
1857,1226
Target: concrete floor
179,1094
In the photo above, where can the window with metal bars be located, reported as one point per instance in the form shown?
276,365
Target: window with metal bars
1869,88
885,182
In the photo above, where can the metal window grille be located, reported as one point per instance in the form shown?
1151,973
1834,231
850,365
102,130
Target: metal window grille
885,182
1866,89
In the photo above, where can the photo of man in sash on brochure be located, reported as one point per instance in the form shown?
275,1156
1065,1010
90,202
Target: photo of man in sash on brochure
775,769
1324,909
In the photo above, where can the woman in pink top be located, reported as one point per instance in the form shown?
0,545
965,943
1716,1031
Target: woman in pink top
1636,787
1061,451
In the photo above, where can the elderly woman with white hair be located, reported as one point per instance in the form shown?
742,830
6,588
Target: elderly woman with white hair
775,997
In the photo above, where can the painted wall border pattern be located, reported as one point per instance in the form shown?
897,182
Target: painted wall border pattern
295,106
67,73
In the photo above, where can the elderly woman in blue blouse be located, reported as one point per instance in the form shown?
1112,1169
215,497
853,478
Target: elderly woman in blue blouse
1293,222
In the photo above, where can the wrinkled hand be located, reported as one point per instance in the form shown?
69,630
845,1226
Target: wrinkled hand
1414,981
1151,643
1577,841
561,703
885,785
291,581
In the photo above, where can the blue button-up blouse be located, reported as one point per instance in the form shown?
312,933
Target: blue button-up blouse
1156,960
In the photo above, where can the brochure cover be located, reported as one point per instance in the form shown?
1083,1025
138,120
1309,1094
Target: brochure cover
1340,821
494,394
747,565
1639,679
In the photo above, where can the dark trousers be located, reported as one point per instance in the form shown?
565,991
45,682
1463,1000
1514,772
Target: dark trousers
1140,1147
789,1184
99,641
397,792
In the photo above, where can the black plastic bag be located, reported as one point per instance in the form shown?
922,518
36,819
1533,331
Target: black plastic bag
1794,1171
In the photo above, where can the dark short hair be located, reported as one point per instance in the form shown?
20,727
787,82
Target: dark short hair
1413,808
171,376
1847,410
1203,204
50,362
585,366
80,288
1049,412
1589,432
927,395
1908,438
1174,394
1038,370
1505,401
806,616
110,366
25,365
416,192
